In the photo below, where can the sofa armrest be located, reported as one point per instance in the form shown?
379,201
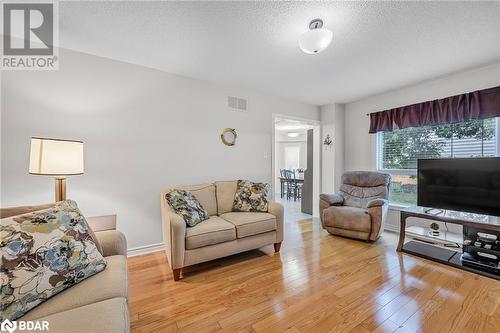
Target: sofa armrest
334,199
174,234
112,242
276,209
376,203
101,223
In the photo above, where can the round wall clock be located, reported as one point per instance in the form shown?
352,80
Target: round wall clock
228,136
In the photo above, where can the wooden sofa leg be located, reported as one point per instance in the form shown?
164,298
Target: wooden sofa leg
277,247
177,274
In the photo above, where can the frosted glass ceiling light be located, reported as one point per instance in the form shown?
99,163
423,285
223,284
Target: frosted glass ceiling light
316,39
293,134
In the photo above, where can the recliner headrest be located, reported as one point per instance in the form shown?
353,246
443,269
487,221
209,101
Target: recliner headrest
366,178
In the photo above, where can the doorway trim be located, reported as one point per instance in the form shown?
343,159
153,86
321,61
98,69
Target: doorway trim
316,156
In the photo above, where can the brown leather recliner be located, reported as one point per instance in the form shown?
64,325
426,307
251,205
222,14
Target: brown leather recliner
359,209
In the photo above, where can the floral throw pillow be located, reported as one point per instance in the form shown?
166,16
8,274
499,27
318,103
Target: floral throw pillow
251,197
186,205
43,253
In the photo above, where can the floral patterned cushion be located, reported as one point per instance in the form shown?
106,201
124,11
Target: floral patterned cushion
43,253
186,205
251,197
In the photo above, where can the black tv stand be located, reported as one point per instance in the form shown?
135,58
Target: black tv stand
472,224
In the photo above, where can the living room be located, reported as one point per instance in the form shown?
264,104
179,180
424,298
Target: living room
158,122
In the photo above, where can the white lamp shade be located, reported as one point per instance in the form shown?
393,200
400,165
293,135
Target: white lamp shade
316,40
56,157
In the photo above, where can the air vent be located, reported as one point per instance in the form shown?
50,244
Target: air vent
236,104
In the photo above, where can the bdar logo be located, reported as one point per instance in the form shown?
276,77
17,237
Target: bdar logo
8,326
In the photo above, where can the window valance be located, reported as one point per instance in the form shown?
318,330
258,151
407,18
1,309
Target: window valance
480,104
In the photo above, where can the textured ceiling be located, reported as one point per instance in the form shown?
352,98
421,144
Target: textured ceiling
377,46
284,126
289,125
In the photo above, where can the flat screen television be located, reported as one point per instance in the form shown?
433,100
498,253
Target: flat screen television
463,184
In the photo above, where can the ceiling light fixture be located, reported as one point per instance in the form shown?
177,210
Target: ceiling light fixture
316,39
293,134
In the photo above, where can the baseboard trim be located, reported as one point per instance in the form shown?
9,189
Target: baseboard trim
136,251
392,228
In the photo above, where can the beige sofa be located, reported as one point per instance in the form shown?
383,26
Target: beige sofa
223,234
97,304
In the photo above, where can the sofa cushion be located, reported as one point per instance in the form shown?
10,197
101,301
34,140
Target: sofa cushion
345,217
106,316
205,193
42,254
248,224
225,195
110,283
186,205
215,230
251,197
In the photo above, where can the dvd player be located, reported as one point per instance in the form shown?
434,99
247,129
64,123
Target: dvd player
476,260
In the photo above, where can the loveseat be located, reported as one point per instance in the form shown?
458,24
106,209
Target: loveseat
223,234
96,304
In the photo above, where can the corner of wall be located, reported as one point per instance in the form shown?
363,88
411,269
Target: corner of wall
333,124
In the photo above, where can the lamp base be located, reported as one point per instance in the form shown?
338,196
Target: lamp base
60,189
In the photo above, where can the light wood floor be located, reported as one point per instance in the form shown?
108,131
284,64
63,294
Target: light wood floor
318,283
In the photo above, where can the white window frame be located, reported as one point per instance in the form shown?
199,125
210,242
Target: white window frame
413,172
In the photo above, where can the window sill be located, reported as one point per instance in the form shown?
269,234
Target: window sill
398,207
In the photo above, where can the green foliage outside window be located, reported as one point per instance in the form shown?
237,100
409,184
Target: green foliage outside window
401,149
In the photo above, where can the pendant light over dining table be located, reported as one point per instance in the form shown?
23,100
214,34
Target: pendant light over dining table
316,39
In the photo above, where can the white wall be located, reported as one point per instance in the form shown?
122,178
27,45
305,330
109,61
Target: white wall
333,123
143,130
360,147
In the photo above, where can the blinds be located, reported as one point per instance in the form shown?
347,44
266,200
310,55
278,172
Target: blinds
400,149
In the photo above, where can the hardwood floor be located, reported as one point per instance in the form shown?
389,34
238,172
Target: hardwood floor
317,283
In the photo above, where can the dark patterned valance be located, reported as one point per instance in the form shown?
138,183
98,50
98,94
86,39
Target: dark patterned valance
479,104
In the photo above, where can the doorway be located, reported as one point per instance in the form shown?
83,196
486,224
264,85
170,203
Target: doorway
296,165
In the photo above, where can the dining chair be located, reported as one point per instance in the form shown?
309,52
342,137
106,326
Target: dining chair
291,184
282,182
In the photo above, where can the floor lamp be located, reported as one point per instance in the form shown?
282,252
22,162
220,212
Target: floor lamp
57,158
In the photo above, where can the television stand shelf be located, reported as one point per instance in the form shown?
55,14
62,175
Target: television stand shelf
422,246
445,238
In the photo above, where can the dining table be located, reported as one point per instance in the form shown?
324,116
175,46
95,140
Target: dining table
283,180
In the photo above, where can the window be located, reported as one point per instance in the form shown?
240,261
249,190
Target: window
292,157
398,151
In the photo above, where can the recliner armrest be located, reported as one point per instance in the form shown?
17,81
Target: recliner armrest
376,203
333,199
377,208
